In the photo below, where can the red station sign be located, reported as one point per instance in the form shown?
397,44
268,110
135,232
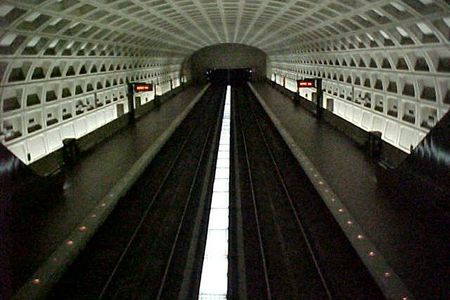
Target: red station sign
306,83
142,87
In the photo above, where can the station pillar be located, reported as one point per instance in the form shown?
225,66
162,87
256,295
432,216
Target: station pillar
319,104
131,110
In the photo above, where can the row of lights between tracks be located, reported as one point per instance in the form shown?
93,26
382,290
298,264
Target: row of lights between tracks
214,276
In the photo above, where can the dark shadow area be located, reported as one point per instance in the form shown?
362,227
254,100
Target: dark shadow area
229,76
228,56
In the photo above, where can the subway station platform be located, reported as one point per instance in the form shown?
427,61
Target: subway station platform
411,243
40,228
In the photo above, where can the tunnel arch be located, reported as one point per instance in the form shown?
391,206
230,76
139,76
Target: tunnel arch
227,56
55,55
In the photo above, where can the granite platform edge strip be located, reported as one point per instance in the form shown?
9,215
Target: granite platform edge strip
389,282
54,267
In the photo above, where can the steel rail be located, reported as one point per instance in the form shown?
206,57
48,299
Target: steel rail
187,282
146,212
140,277
189,198
238,223
255,210
180,224
291,204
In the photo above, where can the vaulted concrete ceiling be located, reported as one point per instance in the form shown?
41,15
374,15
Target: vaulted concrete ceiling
179,27
58,58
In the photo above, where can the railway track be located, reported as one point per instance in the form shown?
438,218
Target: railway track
142,249
285,244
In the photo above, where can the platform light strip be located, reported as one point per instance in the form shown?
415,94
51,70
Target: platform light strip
214,280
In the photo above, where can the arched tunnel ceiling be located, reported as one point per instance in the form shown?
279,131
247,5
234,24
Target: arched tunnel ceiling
65,61
179,27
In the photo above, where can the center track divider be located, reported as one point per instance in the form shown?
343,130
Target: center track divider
213,283
52,269
386,278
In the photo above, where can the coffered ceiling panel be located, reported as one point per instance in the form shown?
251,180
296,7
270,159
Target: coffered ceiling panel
179,27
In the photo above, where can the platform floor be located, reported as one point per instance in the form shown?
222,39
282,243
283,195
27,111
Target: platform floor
411,245
41,227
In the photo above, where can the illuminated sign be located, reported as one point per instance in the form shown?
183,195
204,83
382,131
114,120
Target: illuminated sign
306,83
142,87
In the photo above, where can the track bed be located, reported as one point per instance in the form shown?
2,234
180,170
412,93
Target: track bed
152,244
285,243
